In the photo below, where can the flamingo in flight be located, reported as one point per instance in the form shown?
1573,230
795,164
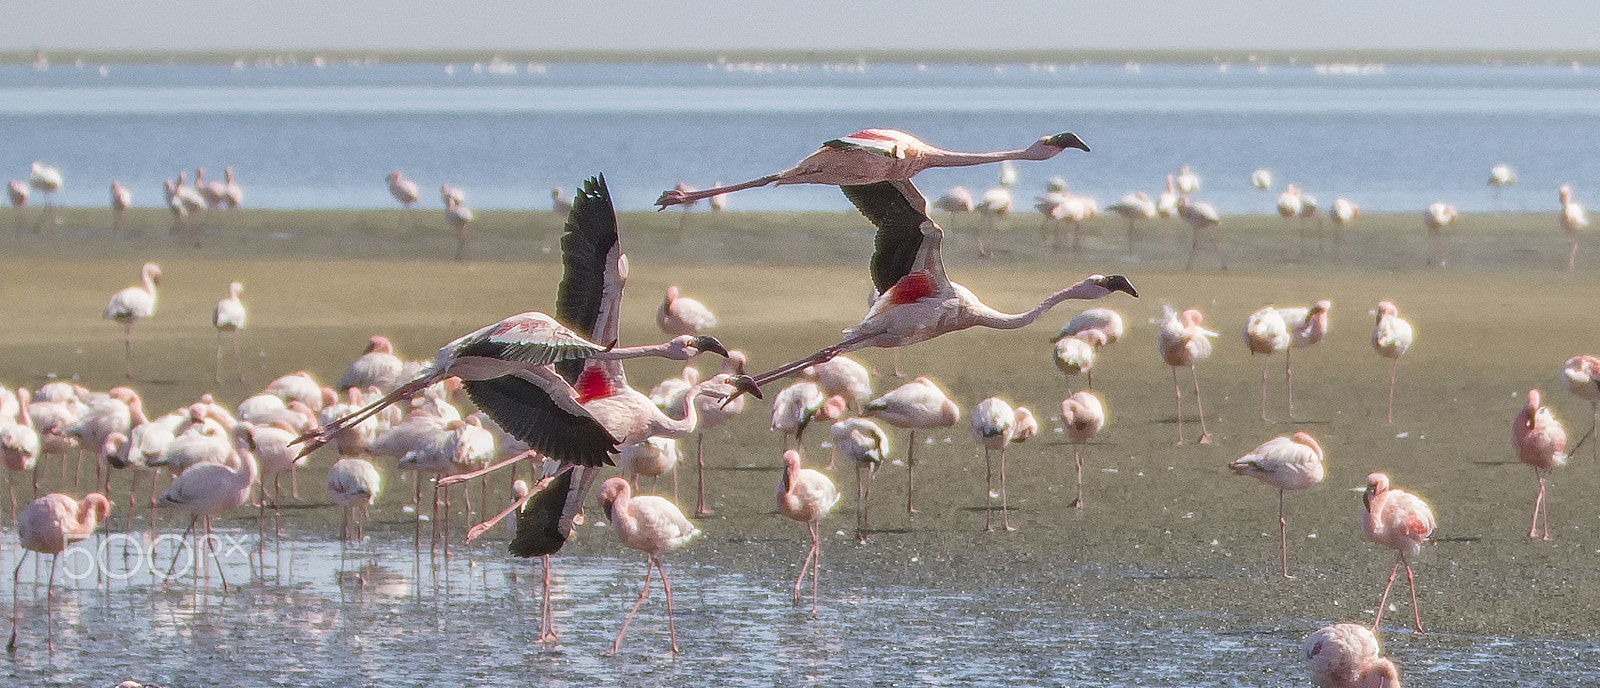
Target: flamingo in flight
876,155
918,301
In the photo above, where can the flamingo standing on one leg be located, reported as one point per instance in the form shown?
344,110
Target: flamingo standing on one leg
806,496
1307,326
47,180
866,445
1341,213
1438,216
712,414
121,200
1346,656
1075,355
1541,442
1182,343
956,201
1083,415
1203,220
1134,207
352,482
995,203
1581,376
1266,333
47,526
1287,463
877,155
1391,338
1573,219
458,216
229,318
916,404
651,525
1400,521
131,305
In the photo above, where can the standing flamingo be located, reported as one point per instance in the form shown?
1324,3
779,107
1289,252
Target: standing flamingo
1188,181
20,445
1083,415
683,315
121,200
560,202
1107,321
1287,463
1573,219
131,305
652,458
404,190
995,203
806,496
210,489
47,526
866,445
844,377
1167,202
212,193
1391,338
458,216
877,155
1075,355
1438,216
46,179
1203,220
1400,521
1541,442
1266,333
918,302
916,404
956,201
232,193
1289,206
994,426
651,525
713,414
1581,376
17,192
229,318
377,366
1134,207
1502,175
1261,179
353,481
1342,212
1346,656
1307,326
794,409
452,194
1182,343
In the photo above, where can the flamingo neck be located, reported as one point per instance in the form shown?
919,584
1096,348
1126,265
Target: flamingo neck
985,316
943,158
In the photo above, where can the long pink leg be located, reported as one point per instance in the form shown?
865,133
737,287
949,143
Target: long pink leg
988,491
1382,601
1288,376
1416,611
1283,536
1205,435
16,607
1392,366
1077,457
672,626
805,567
816,561
547,624
1541,510
1177,389
1005,510
911,465
700,474
649,566
862,486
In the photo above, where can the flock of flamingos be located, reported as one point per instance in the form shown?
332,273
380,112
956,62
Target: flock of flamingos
551,390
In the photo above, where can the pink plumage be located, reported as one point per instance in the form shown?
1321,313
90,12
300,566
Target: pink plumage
1400,521
1541,442
1346,656
1287,463
806,496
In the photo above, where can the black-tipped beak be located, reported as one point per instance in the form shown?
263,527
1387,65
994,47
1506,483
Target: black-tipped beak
1068,140
1119,283
745,385
709,343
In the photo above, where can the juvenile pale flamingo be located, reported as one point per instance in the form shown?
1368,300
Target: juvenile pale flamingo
1391,338
1287,463
878,155
806,496
798,405
1346,656
1573,220
916,404
1307,326
1182,343
229,318
1203,220
1266,333
47,526
1083,415
352,482
1581,376
652,458
866,445
131,305
1075,355
918,302
1541,442
1400,521
404,190
651,525
683,315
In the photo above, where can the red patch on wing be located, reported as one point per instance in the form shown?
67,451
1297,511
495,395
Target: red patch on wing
593,384
914,286
1416,527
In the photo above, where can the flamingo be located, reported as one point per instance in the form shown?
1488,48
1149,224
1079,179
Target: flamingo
683,315
1438,216
560,202
18,193
232,193
653,458
354,481
1573,218
1581,376
1074,210
651,525
1541,442
713,414
1134,207
1346,656
180,214
956,201
1261,179
866,445
995,203
121,200
794,408
718,202
877,155
1008,174
212,193
272,446
1188,181
1391,338
1167,202
229,318
20,445
46,179
299,386
113,412
1343,212
1502,175
452,195
1083,414
210,489
918,301
1182,343
993,426
1266,333
131,305
806,496
1307,326
913,405
1074,355
404,190
1289,206
47,526
1106,320
1202,219
1400,521
1287,463
844,377
377,366
458,217
191,203
1308,211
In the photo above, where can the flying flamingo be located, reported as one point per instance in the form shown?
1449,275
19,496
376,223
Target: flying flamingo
354,481
1541,442
121,200
1307,326
1083,415
918,302
1134,207
1391,338
1188,181
1346,656
1202,219
651,525
47,526
458,217
1573,219
229,318
916,404
404,190
131,305
1183,342
866,445
1581,376
994,426
1438,216
1287,463
806,496
877,155
1266,333
1400,521
683,315
210,489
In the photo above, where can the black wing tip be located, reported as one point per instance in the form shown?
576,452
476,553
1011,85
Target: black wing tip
1119,283
1067,140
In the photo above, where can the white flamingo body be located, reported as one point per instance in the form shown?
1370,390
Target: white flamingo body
1287,463
1391,338
919,404
651,525
681,315
844,377
1261,179
1182,343
377,367
404,190
806,496
1188,181
354,482
867,446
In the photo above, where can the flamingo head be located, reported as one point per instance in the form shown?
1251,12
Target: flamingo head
235,289
96,503
1386,308
1193,318
380,344
672,294
1063,141
394,177
1377,484
742,384
611,491
153,271
1115,283
833,409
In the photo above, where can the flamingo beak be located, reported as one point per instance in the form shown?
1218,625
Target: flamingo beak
745,385
1119,283
709,343
1068,140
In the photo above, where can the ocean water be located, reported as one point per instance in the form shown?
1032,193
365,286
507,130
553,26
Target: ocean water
1392,138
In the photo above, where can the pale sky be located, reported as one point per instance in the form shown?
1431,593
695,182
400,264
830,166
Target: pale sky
821,24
